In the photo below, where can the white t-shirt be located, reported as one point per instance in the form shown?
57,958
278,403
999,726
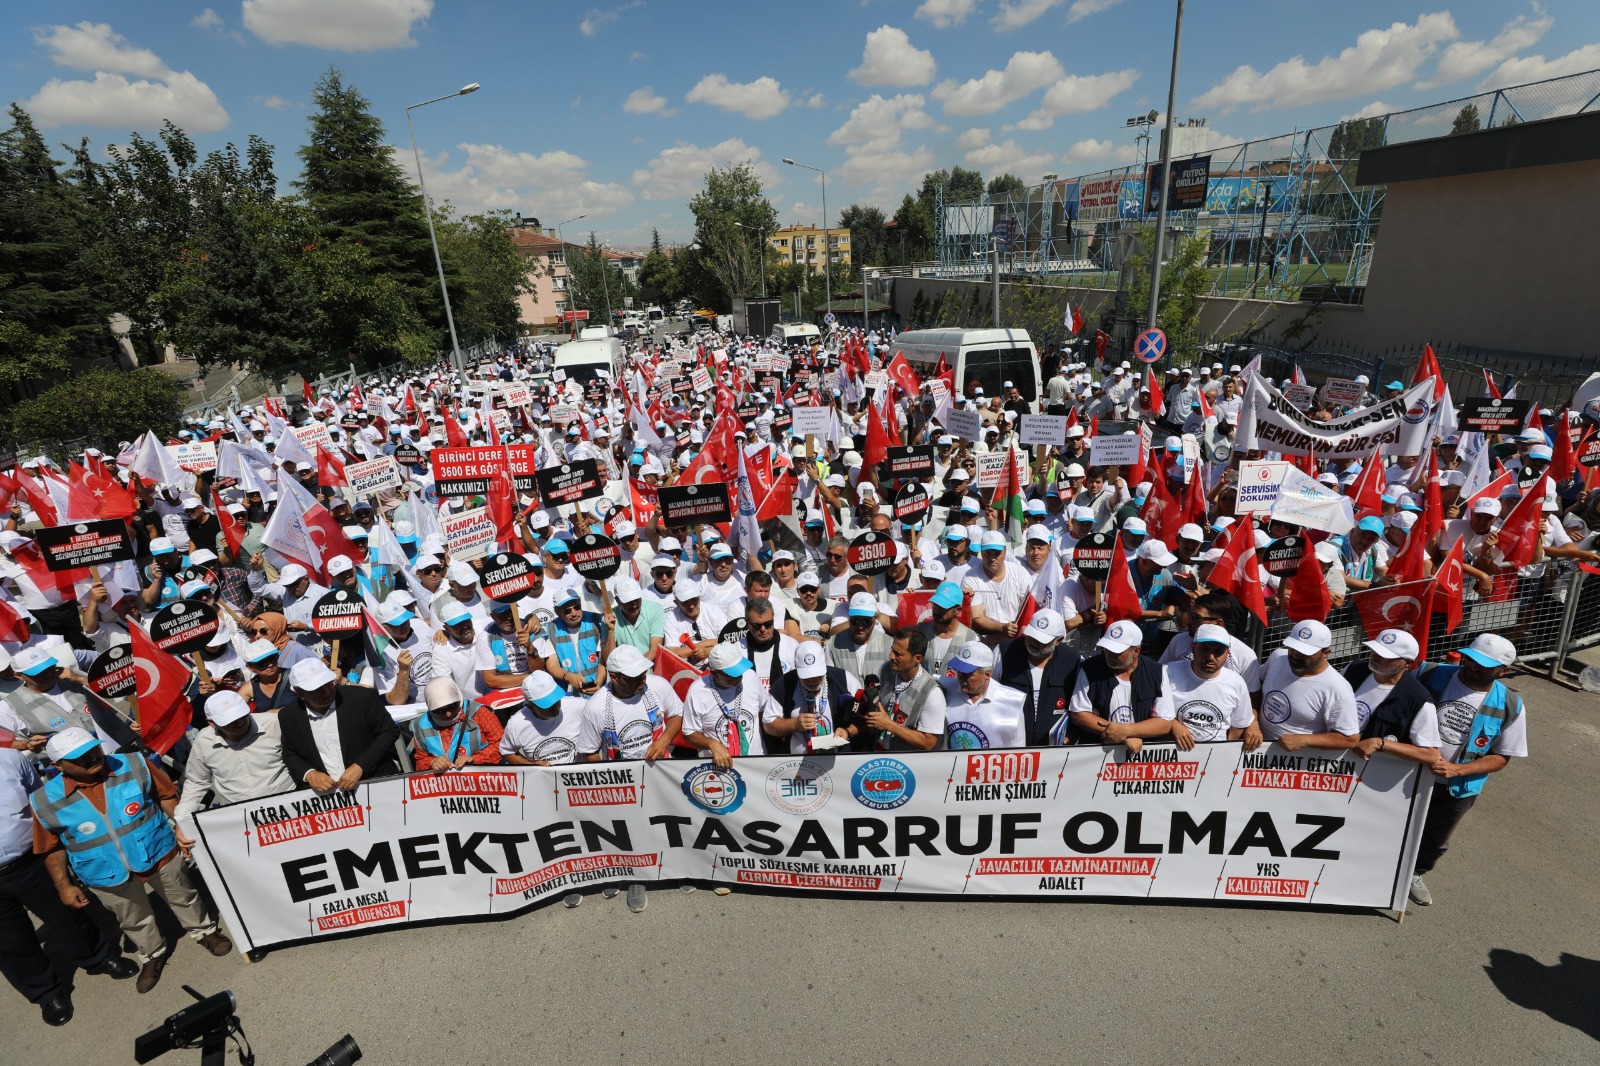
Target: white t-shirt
1121,708
1208,706
628,720
1241,659
1321,703
1424,727
710,710
549,740
994,720
1458,707
1002,597
465,663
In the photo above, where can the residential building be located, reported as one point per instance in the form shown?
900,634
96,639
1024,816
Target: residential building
540,310
804,244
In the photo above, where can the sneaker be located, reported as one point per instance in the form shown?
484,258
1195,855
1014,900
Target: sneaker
572,899
117,967
150,974
722,890
1419,893
609,892
216,943
687,889
637,900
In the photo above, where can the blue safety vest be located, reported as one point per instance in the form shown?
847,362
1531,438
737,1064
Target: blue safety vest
464,736
581,657
105,849
1495,713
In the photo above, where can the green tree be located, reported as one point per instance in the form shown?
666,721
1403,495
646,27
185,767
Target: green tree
1002,186
366,315
1184,283
359,194
492,275
914,231
595,283
698,282
732,216
28,356
48,281
1467,120
868,239
107,405
658,277
1353,136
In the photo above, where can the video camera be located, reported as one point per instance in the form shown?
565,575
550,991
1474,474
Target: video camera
209,1023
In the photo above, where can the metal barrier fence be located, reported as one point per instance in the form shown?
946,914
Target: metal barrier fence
1546,617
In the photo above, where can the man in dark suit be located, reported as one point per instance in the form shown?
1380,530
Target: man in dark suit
1040,647
332,729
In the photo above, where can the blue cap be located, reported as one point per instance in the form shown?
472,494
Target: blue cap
948,594
1395,385
721,551
1371,525
454,613
556,546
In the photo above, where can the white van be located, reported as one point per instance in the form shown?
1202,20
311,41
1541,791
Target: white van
583,360
787,333
981,358
655,316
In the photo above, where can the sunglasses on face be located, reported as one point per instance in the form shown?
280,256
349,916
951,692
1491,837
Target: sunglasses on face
431,570
761,625
836,555
259,632
565,607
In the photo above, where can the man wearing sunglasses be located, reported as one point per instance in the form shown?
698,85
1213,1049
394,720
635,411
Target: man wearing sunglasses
1206,701
575,646
466,655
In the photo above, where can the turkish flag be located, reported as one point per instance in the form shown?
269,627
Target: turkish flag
1161,512
1238,571
1448,581
1122,599
1432,520
454,435
1308,591
1563,463
502,501
1407,564
232,528
1158,399
1428,367
900,372
305,391
330,469
112,499
914,608
877,447
1195,508
1519,530
1393,607
1367,489
163,680
13,623
328,537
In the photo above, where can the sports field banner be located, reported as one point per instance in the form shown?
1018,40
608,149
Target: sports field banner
1312,828
1267,420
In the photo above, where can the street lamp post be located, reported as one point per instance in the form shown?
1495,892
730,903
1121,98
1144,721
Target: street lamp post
827,262
605,282
1166,178
762,237
567,266
427,213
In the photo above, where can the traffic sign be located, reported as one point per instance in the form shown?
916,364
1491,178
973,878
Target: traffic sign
829,319
1150,346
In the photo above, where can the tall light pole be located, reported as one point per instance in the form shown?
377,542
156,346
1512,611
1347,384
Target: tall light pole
762,237
605,282
565,265
1166,178
827,263
427,213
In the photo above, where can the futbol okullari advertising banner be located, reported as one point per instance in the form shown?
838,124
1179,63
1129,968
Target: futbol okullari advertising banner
1215,823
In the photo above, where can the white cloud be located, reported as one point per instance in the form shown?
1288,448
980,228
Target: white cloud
891,169
343,26
1015,14
599,18
679,172
1380,59
1372,110
946,13
155,94
1025,73
113,100
1090,151
1078,95
1468,59
1082,9
636,56
277,103
973,138
496,178
759,99
645,101
816,100
96,46
1538,68
890,58
878,119
1010,158
207,20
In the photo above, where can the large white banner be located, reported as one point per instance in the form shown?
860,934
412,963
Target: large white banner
1270,422
1216,823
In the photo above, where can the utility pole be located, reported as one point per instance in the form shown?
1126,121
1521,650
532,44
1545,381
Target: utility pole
1166,176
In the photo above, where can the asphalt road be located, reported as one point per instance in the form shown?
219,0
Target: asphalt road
1503,968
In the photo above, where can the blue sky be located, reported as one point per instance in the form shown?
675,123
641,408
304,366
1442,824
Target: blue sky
617,110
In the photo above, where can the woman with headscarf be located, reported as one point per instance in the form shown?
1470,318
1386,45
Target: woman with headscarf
273,626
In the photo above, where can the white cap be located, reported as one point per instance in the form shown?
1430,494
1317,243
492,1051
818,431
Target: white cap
70,743
1081,514
540,689
1190,531
189,503
460,573
33,660
1486,505
1156,552
626,660
1120,636
686,590
1211,633
809,662
393,613
1308,637
1395,644
863,605
932,570
728,659
1074,470
974,655
259,649
289,574
626,590
202,555
224,707
1326,551
623,530
340,564
1045,625
308,675
993,540
1491,649
1039,533
806,579
1135,525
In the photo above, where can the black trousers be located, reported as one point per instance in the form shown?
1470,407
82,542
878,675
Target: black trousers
1444,814
28,887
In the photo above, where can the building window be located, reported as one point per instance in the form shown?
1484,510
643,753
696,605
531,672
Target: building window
558,259
559,284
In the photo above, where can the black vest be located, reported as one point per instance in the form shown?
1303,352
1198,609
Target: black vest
1145,685
1392,717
